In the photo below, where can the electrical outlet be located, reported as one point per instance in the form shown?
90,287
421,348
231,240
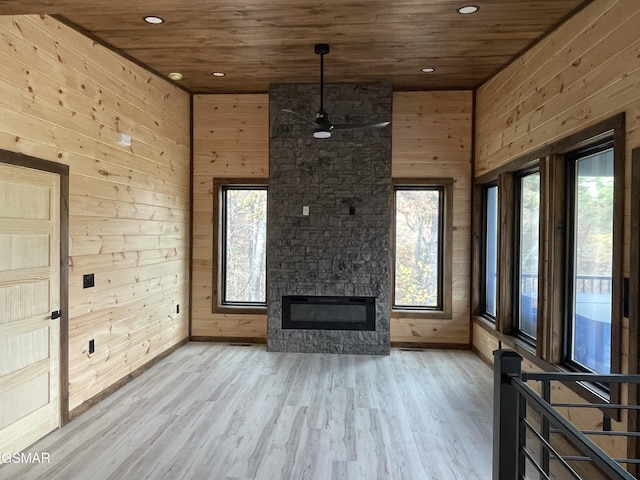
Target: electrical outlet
92,346
88,281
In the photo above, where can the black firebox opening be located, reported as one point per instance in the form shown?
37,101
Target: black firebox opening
328,313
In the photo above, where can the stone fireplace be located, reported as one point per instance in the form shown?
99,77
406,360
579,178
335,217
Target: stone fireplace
329,222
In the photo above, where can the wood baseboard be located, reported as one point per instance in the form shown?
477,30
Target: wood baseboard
431,346
483,357
257,340
86,405
411,345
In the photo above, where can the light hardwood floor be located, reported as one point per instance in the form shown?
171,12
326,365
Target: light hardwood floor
218,411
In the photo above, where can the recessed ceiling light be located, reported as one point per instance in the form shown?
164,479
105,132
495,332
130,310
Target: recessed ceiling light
175,76
468,9
153,20
218,74
428,70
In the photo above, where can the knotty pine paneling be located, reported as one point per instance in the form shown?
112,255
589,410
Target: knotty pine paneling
230,140
372,40
431,138
432,134
64,98
584,72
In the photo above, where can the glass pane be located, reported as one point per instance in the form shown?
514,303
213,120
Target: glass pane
244,269
528,249
491,250
417,248
593,253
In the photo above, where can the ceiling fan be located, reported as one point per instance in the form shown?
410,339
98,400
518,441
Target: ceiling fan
322,126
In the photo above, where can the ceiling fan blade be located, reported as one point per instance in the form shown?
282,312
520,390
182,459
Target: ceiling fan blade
300,117
360,126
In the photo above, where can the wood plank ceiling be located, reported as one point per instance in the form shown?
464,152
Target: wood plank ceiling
260,42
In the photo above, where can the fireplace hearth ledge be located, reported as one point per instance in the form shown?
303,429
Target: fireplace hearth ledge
360,345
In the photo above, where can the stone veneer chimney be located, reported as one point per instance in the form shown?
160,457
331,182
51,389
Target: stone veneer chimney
342,247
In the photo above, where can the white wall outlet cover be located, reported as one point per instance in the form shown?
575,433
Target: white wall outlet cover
305,210
124,139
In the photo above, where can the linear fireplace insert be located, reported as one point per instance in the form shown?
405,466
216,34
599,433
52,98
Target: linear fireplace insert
328,313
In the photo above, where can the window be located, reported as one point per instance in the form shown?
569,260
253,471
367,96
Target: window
421,220
243,228
560,262
490,251
527,248
590,187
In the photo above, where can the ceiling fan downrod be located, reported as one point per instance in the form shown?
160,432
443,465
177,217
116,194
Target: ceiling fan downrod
323,126
322,49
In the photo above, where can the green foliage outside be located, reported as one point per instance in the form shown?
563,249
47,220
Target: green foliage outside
417,247
594,222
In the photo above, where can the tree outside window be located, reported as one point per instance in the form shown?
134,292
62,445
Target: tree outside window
244,225
528,248
591,258
418,247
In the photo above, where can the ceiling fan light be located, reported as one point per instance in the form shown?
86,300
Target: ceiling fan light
322,134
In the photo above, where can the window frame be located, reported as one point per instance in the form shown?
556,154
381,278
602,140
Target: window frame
571,158
633,297
445,185
217,304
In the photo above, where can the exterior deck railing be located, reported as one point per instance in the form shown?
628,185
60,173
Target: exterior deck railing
584,283
532,440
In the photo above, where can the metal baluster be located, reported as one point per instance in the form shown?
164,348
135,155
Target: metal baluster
546,427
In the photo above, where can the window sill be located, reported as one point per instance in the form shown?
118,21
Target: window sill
485,322
240,309
421,314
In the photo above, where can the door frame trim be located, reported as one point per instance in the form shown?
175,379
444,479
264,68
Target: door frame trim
62,170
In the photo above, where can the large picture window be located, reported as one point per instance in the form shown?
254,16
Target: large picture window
527,248
590,184
243,245
419,229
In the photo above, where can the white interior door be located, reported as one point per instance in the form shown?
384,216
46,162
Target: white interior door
29,293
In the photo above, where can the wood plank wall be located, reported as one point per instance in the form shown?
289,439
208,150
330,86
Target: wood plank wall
63,98
230,140
584,72
431,138
432,134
